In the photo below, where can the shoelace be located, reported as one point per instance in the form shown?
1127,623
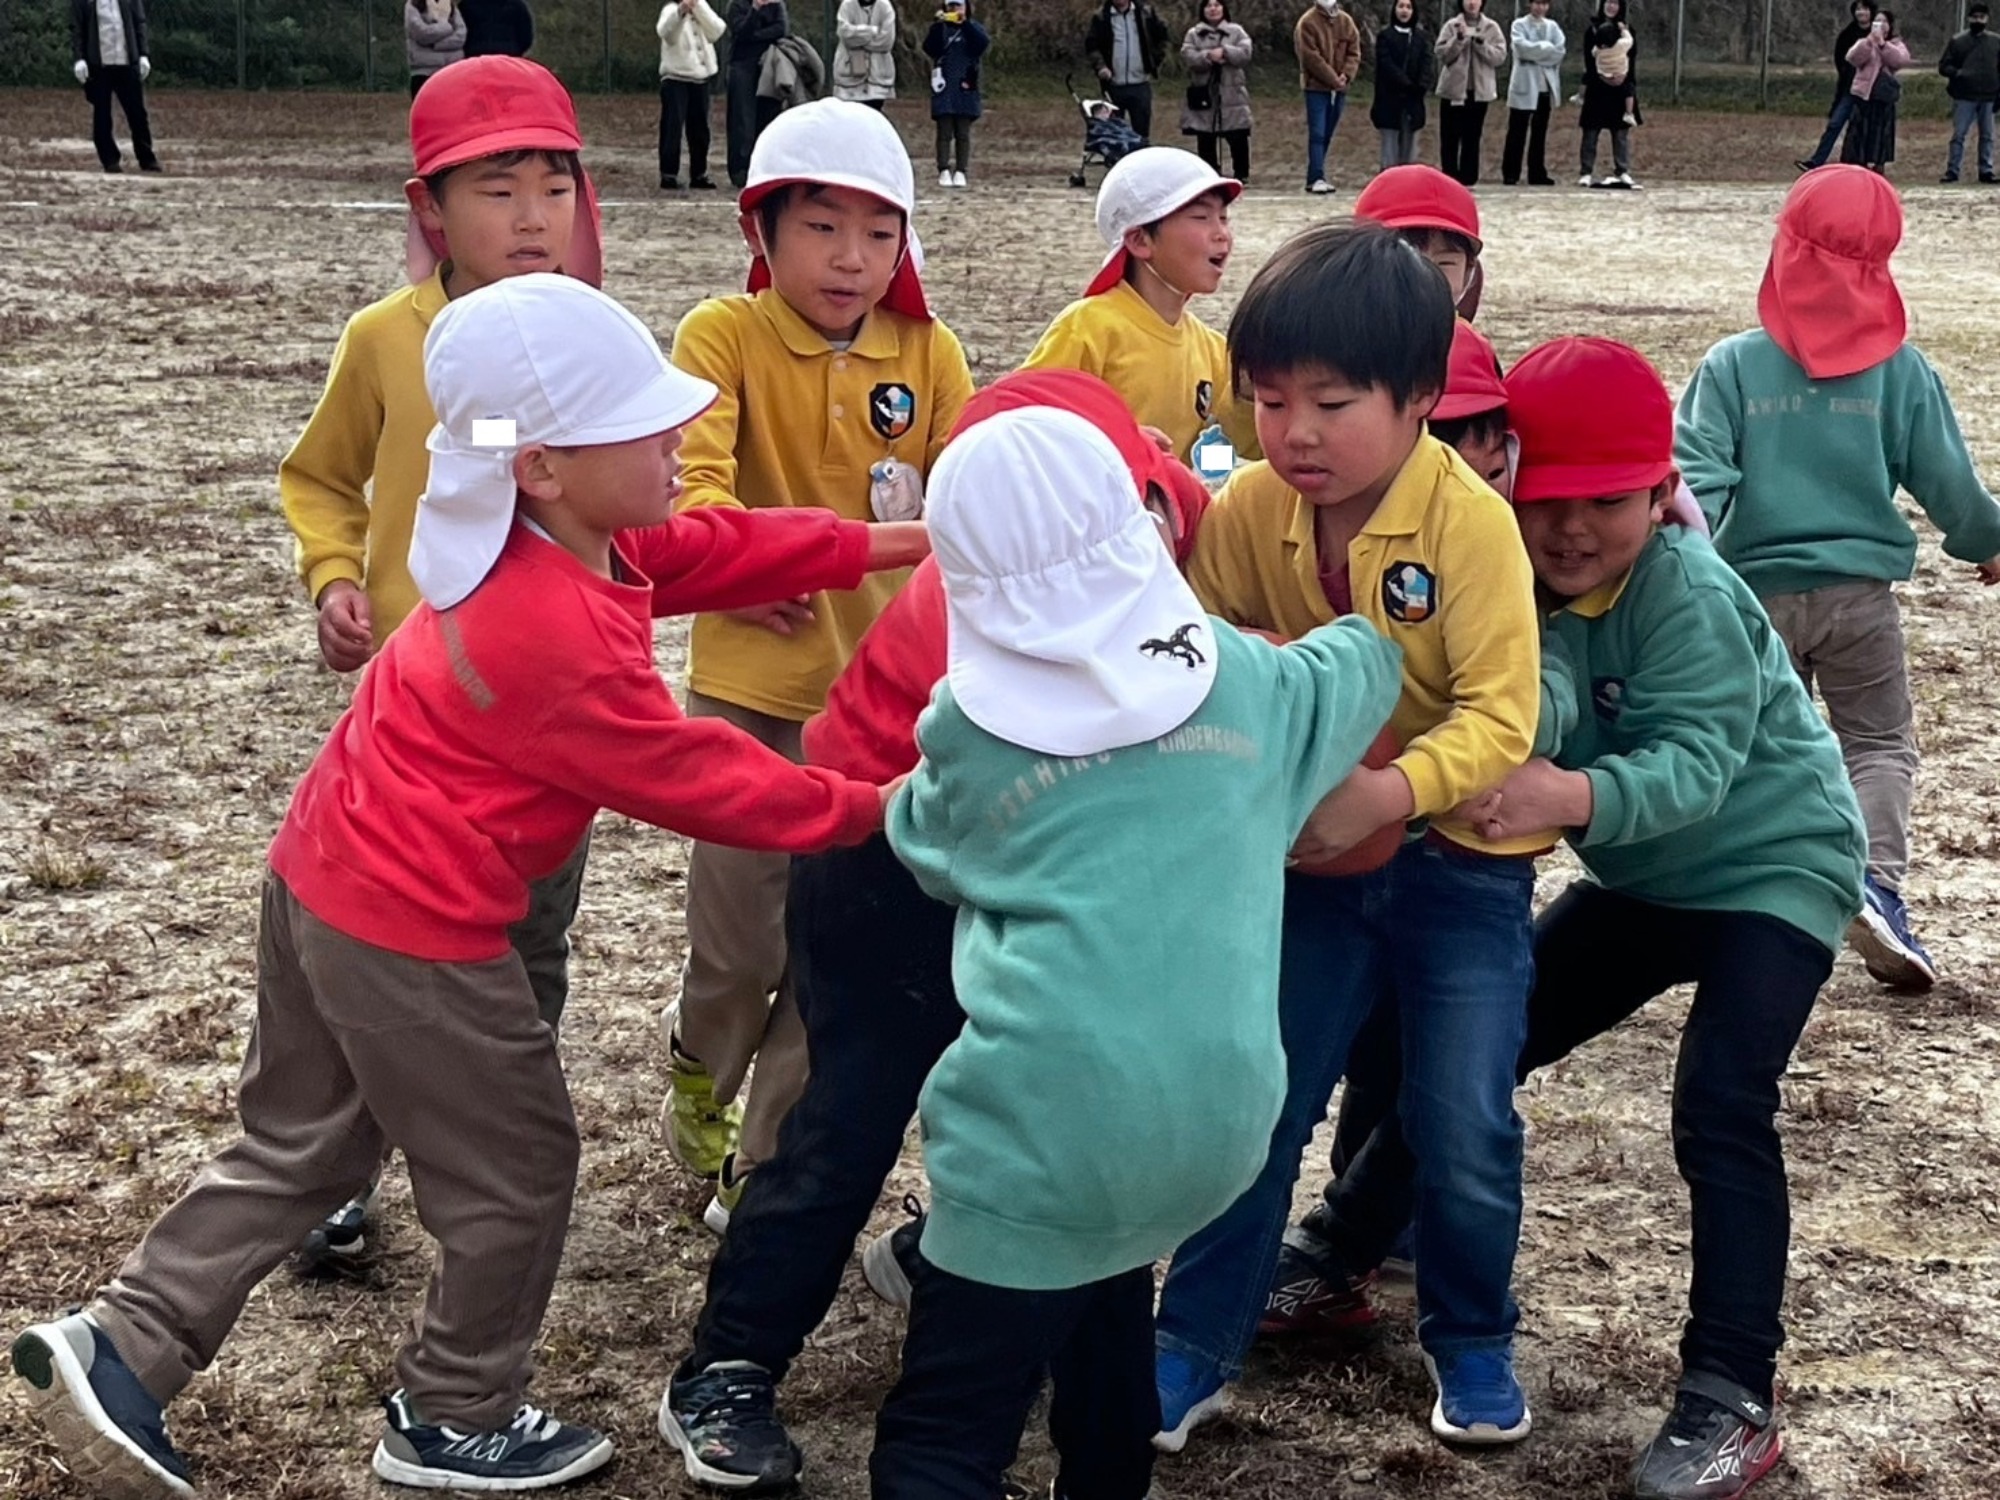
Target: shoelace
1692,1420
736,1393
534,1424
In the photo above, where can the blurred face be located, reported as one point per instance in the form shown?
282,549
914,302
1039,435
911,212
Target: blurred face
1487,454
1539,9
1449,258
1580,545
1614,10
1190,249
1404,12
501,221
1333,441
834,254
1471,8
1213,12
610,487
1863,14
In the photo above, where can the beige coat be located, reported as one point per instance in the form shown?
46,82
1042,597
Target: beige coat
1328,45
1469,55
687,41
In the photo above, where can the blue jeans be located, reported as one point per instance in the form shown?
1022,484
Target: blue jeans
1843,111
1964,112
1323,108
1446,933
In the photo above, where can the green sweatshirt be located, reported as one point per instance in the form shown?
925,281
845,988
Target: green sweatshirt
1716,783
1799,476
1120,1071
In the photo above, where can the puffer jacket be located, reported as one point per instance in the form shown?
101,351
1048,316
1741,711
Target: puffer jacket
431,43
1328,44
1469,55
1872,58
1227,83
687,42
864,62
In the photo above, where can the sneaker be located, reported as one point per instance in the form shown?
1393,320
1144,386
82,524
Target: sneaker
1479,1401
108,1427
958,179
728,1193
1949,177
700,1132
1989,178
1804,165
1717,1442
1882,936
340,1238
1319,185
1189,1395
670,184
944,179
1311,1293
1624,180
151,166
891,1262
725,1422
531,1452
702,184
1586,180
1630,120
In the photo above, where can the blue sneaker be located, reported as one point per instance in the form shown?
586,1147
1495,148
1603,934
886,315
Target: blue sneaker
109,1428
532,1452
1479,1400
1190,1394
1882,936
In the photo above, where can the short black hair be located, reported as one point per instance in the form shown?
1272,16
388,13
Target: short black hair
555,161
771,208
1422,236
1482,426
1201,9
1977,10
1352,298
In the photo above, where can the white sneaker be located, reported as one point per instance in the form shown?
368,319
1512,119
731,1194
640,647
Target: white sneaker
1320,185
1585,181
1624,180
958,179
944,179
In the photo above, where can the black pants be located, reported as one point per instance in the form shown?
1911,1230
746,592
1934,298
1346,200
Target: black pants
1239,151
954,142
683,110
1530,128
747,114
1136,99
973,1362
1600,956
122,82
1459,128
871,963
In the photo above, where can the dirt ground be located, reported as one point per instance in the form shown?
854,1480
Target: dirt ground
162,341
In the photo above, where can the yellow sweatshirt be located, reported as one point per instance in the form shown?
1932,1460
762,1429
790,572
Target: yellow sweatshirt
800,423
370,425
1174,376
1439,569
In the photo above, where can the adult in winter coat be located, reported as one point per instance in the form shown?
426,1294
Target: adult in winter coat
753,26
1124,46
1470,48
688,31
1328,46
864,61
1533,90
1861,15
434,33
954,44
1405,68
1971,67
107,43
1217,53
1878,57
1610,93
503,28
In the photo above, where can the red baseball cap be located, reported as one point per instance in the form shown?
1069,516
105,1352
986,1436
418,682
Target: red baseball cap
1828,299
1472,383
487,106
1420,197
1594,419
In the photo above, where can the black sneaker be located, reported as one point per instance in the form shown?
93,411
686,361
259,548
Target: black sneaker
150,166
1717,1442
1989,178
724,1420
702,184
891,1263
109,1428
669,184
339,1239
531,1452
1949,177
1312,1293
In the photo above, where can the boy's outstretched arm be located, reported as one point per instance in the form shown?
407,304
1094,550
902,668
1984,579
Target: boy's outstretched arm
322,487
1931,462
1708,429
724,559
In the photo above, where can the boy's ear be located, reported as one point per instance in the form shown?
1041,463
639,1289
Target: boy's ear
1423,403
1139,243
534,475
753,233
425,203
1663,496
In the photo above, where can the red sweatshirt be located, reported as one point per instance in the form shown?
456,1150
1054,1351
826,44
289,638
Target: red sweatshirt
483,739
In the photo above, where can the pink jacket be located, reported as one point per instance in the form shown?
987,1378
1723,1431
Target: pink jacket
1870,57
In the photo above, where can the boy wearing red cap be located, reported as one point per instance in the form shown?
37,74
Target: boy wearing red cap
1164,217
1796,437
1439,216
517,700
1707,802
838,388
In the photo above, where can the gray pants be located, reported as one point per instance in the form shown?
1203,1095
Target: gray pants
1621,149
1848,639
1399,147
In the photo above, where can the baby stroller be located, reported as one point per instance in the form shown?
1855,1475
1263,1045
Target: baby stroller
1107,136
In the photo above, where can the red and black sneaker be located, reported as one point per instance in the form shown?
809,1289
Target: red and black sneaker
1311,1293
1718,1441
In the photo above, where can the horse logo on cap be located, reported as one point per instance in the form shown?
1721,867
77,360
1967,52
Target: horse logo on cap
892,409
1409,592
1176,647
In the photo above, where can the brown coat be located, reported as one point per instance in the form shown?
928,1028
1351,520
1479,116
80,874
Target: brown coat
1328,47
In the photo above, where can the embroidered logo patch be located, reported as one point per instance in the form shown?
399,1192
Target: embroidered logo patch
892,409
1204,398
1178,647
1409,592
1607,696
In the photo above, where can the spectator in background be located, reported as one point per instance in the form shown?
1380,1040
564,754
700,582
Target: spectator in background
1328,44
1610,94
688,31
1217,53
1470,48
107,40
1861,17
1532,91
1125,43
1878,57
434,32
497,27
1404,73
954,44
864,62
1971,67
753,26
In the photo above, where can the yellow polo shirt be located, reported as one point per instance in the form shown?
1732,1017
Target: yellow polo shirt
801,423
1174,376
1439,569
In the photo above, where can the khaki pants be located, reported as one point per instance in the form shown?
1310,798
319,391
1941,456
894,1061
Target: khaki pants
736,963
1848,638
541,937
355,1048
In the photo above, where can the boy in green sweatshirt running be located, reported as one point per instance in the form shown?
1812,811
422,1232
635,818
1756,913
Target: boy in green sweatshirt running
1795,438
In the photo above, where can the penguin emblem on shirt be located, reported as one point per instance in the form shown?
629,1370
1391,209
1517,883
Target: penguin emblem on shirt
1204,399
1607,696
892,409
1409,592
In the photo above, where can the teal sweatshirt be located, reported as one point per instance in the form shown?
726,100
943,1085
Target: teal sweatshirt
1799,476
1716,783
1116,954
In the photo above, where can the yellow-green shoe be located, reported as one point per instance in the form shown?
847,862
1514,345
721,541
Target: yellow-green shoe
728,1193
700,1132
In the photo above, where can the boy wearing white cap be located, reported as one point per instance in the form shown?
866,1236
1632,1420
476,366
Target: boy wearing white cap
514,703
837,388
1164,216
1103,764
